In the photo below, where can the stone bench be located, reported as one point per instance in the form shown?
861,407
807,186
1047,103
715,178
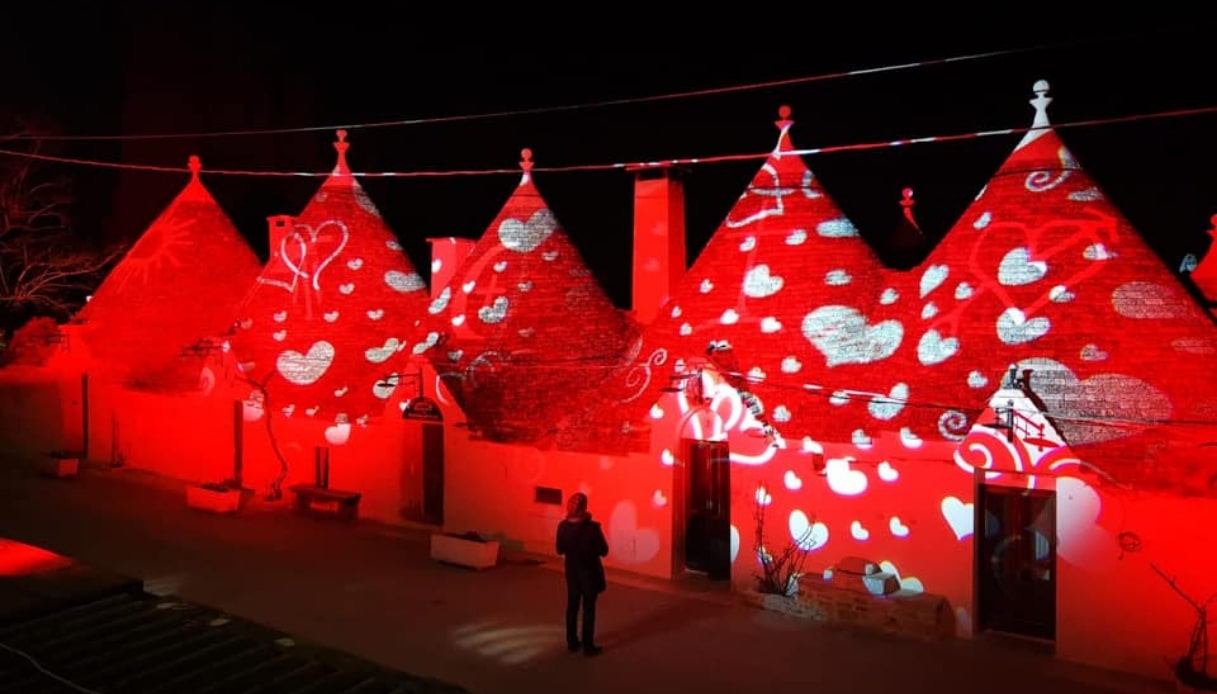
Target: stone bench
312,499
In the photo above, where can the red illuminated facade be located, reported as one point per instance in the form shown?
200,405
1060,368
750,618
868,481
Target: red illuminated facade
320,331
1012,434
152,320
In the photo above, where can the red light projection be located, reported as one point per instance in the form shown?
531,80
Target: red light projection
785,298
1204,276
523,334
327,317
19,559
178,284
1044,272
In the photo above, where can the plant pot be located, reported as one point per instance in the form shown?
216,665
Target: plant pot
213,500
59,465
461,551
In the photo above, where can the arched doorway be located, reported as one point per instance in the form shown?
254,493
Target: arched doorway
423,477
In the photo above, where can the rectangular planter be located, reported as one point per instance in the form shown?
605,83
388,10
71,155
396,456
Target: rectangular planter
212,501
462,552
56,466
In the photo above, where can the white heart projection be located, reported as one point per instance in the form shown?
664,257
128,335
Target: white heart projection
858,532
933,348
806,534
842,335
306,369
1013,327
959,516
349,287
630,543
758,283
1017,268
528,323
524,237
844,480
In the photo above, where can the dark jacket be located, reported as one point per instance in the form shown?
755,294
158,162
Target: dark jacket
582,543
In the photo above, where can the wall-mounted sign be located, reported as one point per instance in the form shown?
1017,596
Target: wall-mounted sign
423,409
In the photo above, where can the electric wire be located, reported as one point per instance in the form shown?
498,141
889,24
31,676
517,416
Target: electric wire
589,105
624,166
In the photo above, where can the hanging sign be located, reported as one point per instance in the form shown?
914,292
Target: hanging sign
423,409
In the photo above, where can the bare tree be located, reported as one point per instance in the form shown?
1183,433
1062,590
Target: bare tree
45,267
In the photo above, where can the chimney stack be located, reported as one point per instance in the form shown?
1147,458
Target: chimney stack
659,238
279,225
447,254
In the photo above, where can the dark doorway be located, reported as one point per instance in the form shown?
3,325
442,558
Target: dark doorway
1016,561
708,495
433,474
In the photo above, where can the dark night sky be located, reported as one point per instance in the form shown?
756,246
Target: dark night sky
157,67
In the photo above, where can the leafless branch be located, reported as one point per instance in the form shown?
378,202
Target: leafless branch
44,267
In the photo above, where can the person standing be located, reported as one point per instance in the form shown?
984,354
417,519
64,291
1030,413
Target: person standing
581,542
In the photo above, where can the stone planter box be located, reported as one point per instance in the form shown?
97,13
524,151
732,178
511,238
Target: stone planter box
464,551
784,604
59,464
213,500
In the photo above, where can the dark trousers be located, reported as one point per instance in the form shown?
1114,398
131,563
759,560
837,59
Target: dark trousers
575,595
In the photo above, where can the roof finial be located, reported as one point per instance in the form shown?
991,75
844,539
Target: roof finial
1040,102
526,165
907,203
783,124
784,115
195,165
342,146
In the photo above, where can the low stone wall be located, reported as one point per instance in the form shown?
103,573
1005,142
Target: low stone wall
917,615
914,615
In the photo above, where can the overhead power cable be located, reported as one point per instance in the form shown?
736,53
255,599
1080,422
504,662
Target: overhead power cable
630,166
589,105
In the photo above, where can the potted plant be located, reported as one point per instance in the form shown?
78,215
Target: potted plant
469,549
60,464
215,497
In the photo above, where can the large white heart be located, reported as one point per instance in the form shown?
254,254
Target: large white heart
316,237
306,369
842,335
523,237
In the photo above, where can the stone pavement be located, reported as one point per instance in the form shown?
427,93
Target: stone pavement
373,592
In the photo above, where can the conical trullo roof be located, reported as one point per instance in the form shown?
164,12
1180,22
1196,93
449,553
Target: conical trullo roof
785,300
177,285
332,308
1045,273
523,334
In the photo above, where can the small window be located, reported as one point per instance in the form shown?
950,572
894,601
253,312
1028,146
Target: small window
548,495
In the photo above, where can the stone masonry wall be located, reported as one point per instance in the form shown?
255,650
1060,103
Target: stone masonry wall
916,615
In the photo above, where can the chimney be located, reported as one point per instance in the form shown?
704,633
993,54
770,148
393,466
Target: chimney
659,238
279,226
1204,275
447,254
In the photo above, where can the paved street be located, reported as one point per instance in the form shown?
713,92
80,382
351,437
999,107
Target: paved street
373,592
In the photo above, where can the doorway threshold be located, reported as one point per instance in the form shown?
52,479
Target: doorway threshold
1034,644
